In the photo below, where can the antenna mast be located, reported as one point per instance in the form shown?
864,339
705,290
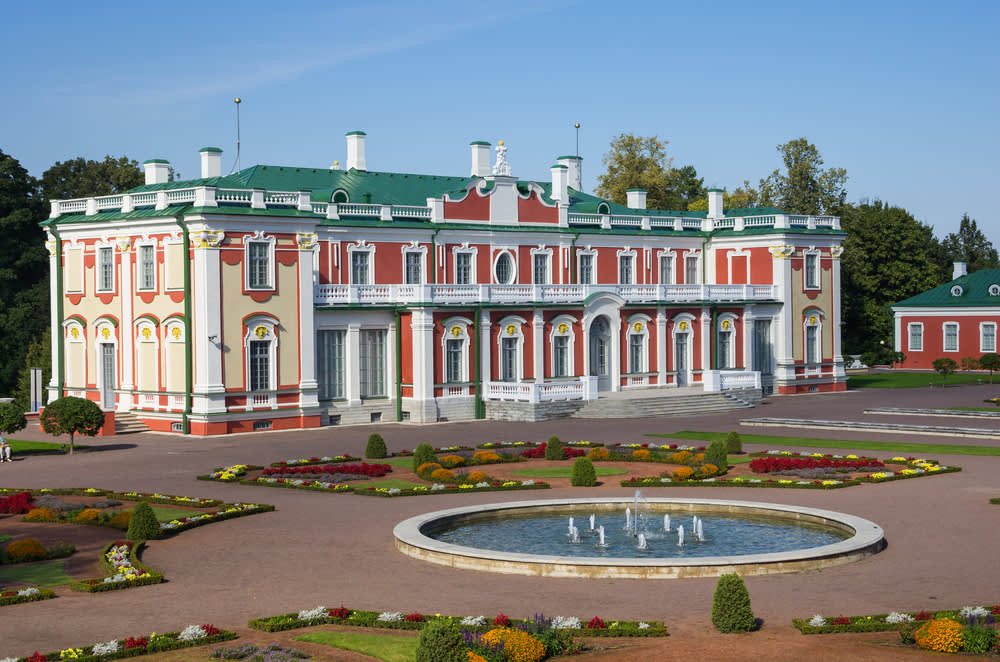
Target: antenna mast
238,101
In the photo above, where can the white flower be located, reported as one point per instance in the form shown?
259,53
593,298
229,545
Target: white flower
106,648
474,621
708,480
482,484
817,621
664,480
310,614
25,592
437,486
10,659
643,626
973,612
528,482
565,623
192,632
390,617
756,480
897,617
394,490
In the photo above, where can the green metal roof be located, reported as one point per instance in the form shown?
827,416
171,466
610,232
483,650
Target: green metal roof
975,292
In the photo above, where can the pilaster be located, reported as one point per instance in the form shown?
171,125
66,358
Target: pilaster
538,343
308,387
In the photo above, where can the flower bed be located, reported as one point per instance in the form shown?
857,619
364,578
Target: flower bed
438,488
361,470
316,460
165,499
29,594
415,621
819,624
228,511
192,635
301,483
120,561
738,481
538,452
767,465
516,445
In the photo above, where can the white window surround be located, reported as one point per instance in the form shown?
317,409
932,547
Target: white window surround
683,324
99,249
666,255
140,266
361,247
547,254
592,254
695,256
410,249
174,330
912,346
727,324
508,255
455,328
812,318
168,275
631,253
473,253
985,338
562,326
269,241
511,327
808,255
642,322
74,286
739,252
74,331
262,328
944,336
146,333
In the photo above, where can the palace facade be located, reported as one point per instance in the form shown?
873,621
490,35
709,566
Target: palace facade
288,297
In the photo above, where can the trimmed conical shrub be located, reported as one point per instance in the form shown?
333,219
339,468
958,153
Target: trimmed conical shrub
716,454
423,454
441,641
731,610
143,524
376,447
583,473
554,448
734,444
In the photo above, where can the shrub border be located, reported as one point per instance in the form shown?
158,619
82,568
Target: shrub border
872,623
224,635
43,594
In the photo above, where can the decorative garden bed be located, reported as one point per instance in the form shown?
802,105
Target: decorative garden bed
115,649
28,594
120,562
819,624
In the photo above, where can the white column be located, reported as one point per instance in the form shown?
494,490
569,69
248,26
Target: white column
538,340
786,320
352,365
748,318
309,388
55,329
616,354
706,341
422,328
838,357
206,292
485,348
127,331
661,346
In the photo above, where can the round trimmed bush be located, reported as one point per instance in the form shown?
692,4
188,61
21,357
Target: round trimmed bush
583,473
441,641
731,610
716,454
26,549
734,443
375,449
143,524
554,449
423,454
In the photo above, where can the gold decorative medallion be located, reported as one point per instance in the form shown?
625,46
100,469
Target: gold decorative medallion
146,333
456,331
176,332
637,327
812,319
260,331
726,324
683,326
105,333
510,329
74,332
563,327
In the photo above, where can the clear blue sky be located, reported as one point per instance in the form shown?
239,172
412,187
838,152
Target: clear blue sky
904,95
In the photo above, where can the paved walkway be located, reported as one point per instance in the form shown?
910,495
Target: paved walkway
331,549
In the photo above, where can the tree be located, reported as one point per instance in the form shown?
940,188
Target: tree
80,177
969,245
640,162
970,363
554,448
687,186
991,362
375,448
584,474
742,198
805,187
72,416
143,525
944,367
731,610
441,641
11,418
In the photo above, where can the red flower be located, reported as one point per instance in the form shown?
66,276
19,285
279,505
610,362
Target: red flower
37,657
415,617
502,621
210,629
924,616
340,612
841,620
136,642
596,624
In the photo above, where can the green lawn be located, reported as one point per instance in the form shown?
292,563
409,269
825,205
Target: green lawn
50,573
388,482
395,461
565,472
391,648
994,409
20,447
897,448
911,379
165,514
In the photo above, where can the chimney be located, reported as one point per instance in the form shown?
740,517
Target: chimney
959,269
574,163
211,162
156,171
356,150
715,203
480,158
560,179
636,198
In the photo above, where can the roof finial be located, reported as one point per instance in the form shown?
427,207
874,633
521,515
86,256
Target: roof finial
501,167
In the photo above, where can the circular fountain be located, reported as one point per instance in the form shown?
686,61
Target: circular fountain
723,536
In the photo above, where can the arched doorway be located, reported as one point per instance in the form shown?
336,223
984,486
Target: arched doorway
600,352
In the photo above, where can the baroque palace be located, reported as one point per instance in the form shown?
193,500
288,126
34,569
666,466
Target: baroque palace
292,297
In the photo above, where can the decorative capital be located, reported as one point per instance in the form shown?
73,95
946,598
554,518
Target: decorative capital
780,251
207,239
124,243
836,252
306,240
50,246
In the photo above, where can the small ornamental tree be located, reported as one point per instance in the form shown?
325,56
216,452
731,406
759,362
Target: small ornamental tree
716,454
970,363
72,416
376,447
143,524
441,641
11,418
991,362
734,443
945,367
731,610
584,474
554,449
423,454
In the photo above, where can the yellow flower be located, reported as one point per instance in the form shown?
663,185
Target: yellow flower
852,457
878,476
831,482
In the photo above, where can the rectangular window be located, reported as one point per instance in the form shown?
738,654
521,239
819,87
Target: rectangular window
988,337
508,359
586,275
541,269
372,363
625,273
414,268
105,269
951,337
359,268
560,356
812,271
453,361
725,346
147,267
260,365
463,268
636,353
690,270
330,364
666,269
258,265
916,337
812,345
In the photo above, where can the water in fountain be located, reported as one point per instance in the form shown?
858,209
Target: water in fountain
680,535
600,534
642,541
666,523
571,526
592,522
574,534
628,519
700,533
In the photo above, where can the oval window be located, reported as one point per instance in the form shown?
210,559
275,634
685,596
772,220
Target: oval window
504,270
957,291
994,290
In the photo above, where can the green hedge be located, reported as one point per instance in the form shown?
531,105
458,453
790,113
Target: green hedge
43,594
165,499
872,623
98,585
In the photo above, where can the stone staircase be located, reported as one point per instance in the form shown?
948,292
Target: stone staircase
128,423
687,402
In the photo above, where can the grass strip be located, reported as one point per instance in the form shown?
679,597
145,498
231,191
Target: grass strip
164,514
22,447
49,573
909,380
564,472
391,648
905,448
388,483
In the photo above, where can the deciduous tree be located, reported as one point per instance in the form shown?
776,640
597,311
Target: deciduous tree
804,187
991,362
944,367
969,245
80,177
72,416
641,162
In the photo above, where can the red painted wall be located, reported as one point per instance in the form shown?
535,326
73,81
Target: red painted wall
533,210
761,269
472,208
933,345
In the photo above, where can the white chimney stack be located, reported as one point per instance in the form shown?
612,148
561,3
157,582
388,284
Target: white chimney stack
480,158
157,171
560,179
715,209
636,198
959,269
356,150
211,162
574,163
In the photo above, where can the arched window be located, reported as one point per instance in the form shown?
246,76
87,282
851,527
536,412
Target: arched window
813,337
638,343
562,341
683,351
455,350
726,358
510,343
260,345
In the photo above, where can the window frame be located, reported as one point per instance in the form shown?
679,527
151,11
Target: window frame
811,268
337,387
142,285
505,257
420,253
692,259
812,323
472,253
945,326
456,329
367,361
910,328
627,257
544,254
666,257
104,272
260,329
982,337
515,334
367,250
726,360
637,340
562,328
252,262
591,256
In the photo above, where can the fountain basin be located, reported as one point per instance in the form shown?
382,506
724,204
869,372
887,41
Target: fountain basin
414,538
